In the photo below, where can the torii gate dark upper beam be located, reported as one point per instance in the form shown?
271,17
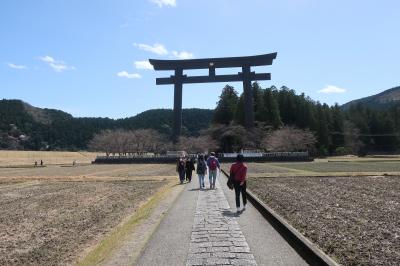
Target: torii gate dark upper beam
246,76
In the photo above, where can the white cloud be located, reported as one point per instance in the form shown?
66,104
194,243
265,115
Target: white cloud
143,65
332,89
11,65
47,59
182,55
160,50
124,74
162,3
156,48
56,65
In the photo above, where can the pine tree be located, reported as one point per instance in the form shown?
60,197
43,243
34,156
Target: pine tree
336,127
226,106
273,116
259,107
239,114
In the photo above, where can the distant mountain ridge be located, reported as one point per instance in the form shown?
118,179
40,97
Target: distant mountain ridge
380,101
23,126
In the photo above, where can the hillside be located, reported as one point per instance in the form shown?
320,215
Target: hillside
23,126
380,101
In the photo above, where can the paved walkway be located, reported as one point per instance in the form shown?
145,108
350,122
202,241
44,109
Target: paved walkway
216,236
201,229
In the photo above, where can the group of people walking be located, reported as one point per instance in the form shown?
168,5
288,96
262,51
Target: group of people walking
185,169
210,164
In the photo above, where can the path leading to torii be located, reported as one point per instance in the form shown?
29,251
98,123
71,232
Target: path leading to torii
216,236
202,229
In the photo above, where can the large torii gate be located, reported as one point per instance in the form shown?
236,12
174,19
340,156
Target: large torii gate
246,76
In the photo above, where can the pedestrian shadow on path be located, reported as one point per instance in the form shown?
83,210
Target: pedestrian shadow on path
204,189
229,213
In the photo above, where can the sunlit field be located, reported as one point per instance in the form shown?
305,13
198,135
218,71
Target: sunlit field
51,214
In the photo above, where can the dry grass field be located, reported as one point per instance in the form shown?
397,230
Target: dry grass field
355,220
324,168
28,158
53,215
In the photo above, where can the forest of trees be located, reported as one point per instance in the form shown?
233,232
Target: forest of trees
356,130
284,121
23,127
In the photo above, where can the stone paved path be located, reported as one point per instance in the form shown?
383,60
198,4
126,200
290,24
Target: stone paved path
200,229
216,237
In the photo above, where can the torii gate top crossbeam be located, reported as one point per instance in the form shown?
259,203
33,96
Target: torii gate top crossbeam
221,62
246,76
245,62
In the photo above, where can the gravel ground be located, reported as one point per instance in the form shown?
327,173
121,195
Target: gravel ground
355,220
51,222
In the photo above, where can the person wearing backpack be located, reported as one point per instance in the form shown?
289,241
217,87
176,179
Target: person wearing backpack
201,170
238,173
213,167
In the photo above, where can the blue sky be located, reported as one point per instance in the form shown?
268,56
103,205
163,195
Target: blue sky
89,57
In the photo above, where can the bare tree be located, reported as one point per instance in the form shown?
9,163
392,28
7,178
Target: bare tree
196,144
125,142
102,142
290,139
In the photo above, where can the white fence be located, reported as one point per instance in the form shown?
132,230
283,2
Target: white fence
268,154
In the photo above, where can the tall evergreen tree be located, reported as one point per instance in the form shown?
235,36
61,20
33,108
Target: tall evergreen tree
239,114
226,106
258,101
272,114
322,130
336,127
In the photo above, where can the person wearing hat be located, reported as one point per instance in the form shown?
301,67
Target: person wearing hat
238,173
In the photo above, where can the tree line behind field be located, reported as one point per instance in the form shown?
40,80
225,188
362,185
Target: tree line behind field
357,129
284,121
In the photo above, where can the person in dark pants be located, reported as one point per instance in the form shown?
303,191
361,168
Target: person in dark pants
238,173
201,170
189,167
180,168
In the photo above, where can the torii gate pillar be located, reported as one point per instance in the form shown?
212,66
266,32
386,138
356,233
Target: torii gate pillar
248,98
177,127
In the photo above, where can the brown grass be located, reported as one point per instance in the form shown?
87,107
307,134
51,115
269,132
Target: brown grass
356,220
49,215
28,158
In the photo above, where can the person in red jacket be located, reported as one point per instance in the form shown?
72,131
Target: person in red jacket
238,173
